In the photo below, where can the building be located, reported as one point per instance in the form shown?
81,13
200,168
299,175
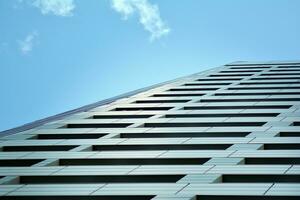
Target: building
232,132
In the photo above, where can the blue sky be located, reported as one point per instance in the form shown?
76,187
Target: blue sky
56,55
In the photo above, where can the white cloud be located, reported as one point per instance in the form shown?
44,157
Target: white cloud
62,8
149,15
27,44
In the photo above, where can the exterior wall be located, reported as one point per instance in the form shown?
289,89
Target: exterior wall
232,132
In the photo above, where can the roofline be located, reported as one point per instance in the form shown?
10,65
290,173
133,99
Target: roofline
59,116
85,108
279,62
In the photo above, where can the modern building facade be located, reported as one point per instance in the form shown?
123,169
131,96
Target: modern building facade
232,132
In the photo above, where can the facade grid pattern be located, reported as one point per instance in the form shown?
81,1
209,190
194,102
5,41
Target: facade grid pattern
232,132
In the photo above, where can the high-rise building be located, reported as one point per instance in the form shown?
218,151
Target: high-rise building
232,132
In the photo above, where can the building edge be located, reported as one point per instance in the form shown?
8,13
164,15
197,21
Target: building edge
84,108
87,107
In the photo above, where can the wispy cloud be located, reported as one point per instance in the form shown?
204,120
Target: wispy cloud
149,15
62,8
26,45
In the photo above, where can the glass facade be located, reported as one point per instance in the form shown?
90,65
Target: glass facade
232,132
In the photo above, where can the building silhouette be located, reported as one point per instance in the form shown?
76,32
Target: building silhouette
232,132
